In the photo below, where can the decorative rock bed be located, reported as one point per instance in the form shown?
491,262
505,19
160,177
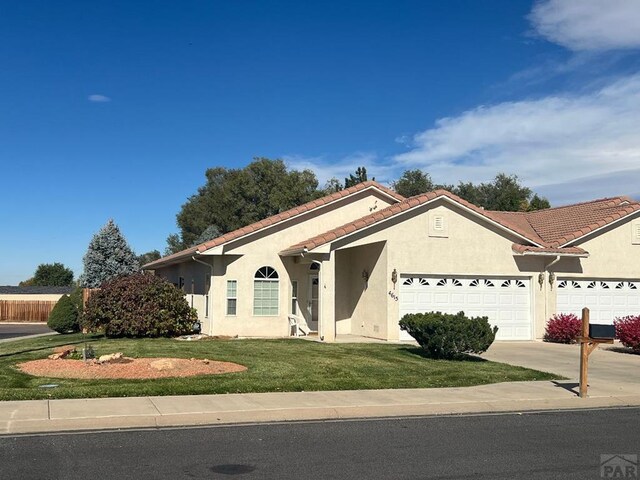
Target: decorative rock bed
120,367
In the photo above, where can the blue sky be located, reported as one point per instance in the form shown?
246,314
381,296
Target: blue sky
115,109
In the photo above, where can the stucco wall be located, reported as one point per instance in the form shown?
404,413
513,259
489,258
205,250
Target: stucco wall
242,258
361,304
471,248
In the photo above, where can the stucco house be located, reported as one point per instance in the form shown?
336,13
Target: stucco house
356,261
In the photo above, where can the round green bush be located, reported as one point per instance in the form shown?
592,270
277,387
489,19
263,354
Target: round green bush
449,336
139,305
65,316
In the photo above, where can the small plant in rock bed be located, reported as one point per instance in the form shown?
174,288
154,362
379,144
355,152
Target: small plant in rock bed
628,331
563,328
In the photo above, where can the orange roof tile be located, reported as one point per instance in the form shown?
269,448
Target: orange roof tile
254,227
548,230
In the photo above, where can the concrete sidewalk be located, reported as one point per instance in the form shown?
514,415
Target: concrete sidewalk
89,414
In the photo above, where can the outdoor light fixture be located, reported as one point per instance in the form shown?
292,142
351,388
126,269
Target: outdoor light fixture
365,275
541,279
552,278
394,277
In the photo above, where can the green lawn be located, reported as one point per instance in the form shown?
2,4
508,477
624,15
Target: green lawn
273,366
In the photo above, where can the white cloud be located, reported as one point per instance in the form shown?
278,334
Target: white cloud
626,182
546,141
96,97
326,169
593,25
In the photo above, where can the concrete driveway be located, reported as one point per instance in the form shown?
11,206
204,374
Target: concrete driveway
610,371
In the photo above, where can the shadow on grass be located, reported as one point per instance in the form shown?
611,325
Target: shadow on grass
52,345
460,358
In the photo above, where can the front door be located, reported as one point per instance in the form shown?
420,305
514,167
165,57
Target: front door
313,302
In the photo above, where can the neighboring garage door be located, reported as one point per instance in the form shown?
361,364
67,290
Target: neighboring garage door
504,300
605,299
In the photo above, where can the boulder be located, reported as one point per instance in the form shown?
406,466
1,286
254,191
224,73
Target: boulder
111,358
162,364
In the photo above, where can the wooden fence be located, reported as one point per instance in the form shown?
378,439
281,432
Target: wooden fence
25,311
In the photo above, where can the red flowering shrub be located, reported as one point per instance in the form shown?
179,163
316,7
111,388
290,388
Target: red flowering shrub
563,328
139,305
628,331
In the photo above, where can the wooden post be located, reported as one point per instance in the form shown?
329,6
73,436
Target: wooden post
584,353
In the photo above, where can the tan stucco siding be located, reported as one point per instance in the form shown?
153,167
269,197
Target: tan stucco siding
361,304
472,247
244,257
611,255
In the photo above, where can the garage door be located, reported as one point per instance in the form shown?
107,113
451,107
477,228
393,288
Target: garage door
605,299
504,300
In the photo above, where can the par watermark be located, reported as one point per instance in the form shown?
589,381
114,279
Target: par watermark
619,465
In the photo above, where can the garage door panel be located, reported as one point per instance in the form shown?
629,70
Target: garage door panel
606,299
506,302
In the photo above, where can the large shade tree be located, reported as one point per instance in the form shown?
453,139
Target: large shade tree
503,193
50,275
108,256
233,198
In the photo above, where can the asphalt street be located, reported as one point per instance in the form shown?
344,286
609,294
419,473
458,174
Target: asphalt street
13,330
550,445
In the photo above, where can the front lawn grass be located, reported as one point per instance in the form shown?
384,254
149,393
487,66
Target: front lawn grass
287,365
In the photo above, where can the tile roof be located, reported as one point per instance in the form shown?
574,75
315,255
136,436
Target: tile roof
549,230
32,290
254,227
528,249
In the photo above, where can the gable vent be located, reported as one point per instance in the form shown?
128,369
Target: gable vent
635,233
437,225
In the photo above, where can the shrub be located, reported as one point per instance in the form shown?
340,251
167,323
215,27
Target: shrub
628,331
449,336
65,316
563,328
139,305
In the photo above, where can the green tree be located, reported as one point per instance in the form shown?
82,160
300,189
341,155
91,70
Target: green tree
359,177
233,198
149,257
108,256
504,193
50,275
538,203
413,182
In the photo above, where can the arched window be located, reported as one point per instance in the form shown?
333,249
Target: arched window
266,287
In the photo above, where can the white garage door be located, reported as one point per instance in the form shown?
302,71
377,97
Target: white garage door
504,300
605,299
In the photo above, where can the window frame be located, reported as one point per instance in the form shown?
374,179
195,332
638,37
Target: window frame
266,276
234,298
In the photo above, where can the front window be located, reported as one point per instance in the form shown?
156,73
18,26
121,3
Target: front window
265,292
232,297
294,297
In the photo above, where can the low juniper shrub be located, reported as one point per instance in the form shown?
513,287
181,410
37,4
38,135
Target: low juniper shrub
563,328
449,336
628,331
139,305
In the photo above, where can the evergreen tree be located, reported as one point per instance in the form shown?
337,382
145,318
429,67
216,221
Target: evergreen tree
359,177
107,257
